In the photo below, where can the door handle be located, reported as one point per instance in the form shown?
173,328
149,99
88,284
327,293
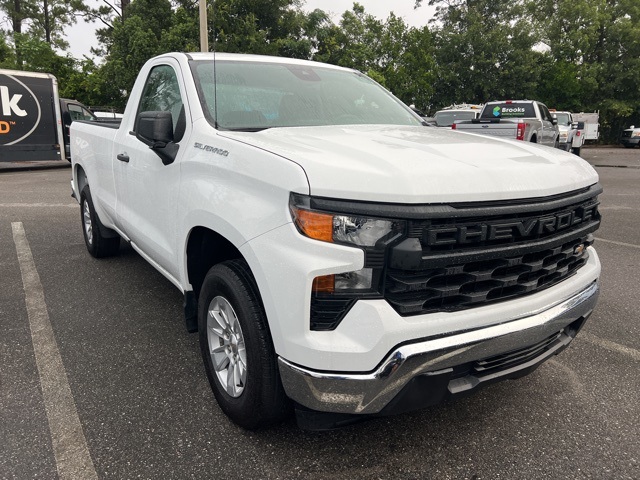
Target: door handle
123,157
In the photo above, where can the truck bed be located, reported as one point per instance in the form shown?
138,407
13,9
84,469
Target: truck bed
93,141
494,127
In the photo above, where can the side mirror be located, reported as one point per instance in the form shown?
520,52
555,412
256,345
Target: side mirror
574,125
155,129
554,121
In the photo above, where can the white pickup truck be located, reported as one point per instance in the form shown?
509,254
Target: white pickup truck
335,255
525,120
572,132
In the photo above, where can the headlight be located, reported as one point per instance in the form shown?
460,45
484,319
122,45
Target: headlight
358,281
359,230
338,228
563,136
333,295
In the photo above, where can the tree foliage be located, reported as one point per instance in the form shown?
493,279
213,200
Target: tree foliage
580,55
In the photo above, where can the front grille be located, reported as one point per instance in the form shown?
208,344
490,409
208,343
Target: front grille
456,235
467,264
453,257
460,286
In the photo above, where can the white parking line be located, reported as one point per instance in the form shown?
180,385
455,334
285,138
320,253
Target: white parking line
622,244
612,346
39,205
72,457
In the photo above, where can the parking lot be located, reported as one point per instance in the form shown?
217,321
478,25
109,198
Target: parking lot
127,396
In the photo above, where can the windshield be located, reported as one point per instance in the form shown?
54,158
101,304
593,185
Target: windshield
446,119
509,110
255,95
563,118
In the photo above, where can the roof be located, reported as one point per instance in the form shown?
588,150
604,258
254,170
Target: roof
244,57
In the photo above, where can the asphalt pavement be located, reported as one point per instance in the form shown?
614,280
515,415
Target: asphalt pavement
130,399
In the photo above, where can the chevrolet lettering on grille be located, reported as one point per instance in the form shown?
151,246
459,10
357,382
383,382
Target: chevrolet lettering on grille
514,230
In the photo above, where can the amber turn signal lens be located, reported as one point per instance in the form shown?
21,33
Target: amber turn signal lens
324,284
314,225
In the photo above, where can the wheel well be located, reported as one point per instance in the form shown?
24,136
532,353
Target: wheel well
81,178
534,139
205,249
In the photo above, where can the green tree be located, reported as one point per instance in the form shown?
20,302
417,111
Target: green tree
484,50
414,79
7,54
595,50
398,57
48,19
276,27
358,41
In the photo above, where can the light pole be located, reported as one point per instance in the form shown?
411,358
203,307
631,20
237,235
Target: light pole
204,38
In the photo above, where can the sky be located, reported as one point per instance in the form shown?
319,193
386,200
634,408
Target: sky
81,37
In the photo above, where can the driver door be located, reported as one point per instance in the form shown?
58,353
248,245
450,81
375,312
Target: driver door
147,190
548,128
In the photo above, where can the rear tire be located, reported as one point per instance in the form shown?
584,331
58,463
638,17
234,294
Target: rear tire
576,150
98,244
237,349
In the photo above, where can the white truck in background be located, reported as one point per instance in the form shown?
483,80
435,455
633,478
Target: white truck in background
572,132
591,124
450,115
525,120
335,255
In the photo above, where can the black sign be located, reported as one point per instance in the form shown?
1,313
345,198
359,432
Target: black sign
28,124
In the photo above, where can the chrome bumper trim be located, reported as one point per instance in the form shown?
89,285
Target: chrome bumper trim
369,393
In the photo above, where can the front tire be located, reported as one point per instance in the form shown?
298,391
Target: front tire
236,347
98,244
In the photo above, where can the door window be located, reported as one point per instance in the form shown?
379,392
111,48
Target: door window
162,93
79,113
546,115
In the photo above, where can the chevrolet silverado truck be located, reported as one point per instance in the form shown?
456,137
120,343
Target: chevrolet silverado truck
525,120
337,257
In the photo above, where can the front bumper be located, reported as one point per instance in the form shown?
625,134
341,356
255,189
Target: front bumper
442,367
630,141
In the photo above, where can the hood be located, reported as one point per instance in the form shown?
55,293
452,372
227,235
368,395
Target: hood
421,164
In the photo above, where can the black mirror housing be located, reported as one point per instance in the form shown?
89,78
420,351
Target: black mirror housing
155,129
